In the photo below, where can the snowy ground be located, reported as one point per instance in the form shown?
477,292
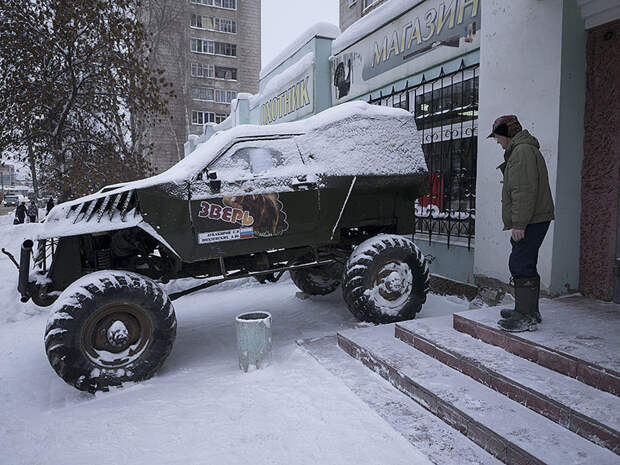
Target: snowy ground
200,408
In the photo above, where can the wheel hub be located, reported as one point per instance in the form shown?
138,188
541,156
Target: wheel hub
391,285
116,335
394,282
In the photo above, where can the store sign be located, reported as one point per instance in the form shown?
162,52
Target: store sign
291,103
433,32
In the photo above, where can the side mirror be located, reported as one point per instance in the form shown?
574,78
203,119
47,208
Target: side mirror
212,174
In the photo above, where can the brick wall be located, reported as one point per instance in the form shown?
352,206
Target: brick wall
601,163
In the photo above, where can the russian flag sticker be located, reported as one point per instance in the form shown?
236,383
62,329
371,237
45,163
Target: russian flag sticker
246,233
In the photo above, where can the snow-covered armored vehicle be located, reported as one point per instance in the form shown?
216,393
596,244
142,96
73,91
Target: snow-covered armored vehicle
327,199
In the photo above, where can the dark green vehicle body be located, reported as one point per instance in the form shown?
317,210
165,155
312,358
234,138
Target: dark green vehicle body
310,216
208,221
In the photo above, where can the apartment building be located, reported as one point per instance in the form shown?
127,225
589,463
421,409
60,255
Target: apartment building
210,51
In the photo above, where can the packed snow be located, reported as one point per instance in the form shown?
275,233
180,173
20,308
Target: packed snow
322,29
200,408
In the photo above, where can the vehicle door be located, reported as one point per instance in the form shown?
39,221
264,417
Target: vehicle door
255,196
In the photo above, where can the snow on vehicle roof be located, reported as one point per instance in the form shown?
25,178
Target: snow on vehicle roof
397,131
322,29
371,22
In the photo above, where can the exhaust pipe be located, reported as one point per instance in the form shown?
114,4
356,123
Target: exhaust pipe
24,270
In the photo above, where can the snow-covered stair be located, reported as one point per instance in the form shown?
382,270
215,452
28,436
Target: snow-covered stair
506,429
587,411
578,338
442,444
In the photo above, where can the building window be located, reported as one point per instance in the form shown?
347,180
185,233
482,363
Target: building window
202,117
225,96
369,3
201,22
202,46
229,50
225,25
213,48
226,4
219,117
213,24
230,74
201,70
205,94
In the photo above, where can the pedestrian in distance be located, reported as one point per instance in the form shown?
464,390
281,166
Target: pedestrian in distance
32,211
527,210
20,213
49,206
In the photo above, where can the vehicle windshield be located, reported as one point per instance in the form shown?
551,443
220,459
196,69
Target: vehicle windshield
259,157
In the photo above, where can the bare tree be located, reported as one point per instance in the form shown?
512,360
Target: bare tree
77,79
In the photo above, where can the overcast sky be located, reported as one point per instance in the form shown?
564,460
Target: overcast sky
283,20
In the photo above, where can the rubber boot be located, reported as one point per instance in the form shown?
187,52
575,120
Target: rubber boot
526,306
507,312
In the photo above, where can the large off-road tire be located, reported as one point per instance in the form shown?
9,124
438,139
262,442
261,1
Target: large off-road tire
109,327
385,280
318,280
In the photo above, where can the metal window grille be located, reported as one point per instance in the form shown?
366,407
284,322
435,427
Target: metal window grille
446,114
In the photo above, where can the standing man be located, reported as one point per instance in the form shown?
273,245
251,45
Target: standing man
20,213
33,211
527,210
49,206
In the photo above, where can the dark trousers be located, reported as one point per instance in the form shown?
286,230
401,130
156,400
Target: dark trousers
524,256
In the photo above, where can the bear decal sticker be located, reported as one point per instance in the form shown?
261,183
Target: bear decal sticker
260,215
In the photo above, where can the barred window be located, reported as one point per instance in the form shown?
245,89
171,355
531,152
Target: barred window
203,93
446,115
202,70
202,117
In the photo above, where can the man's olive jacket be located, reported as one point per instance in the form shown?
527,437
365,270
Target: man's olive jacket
526,195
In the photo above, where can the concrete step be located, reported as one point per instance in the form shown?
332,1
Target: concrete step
506,429
587,411
578,338
442,444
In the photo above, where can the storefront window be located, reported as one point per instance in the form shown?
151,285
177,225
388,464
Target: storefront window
446,114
